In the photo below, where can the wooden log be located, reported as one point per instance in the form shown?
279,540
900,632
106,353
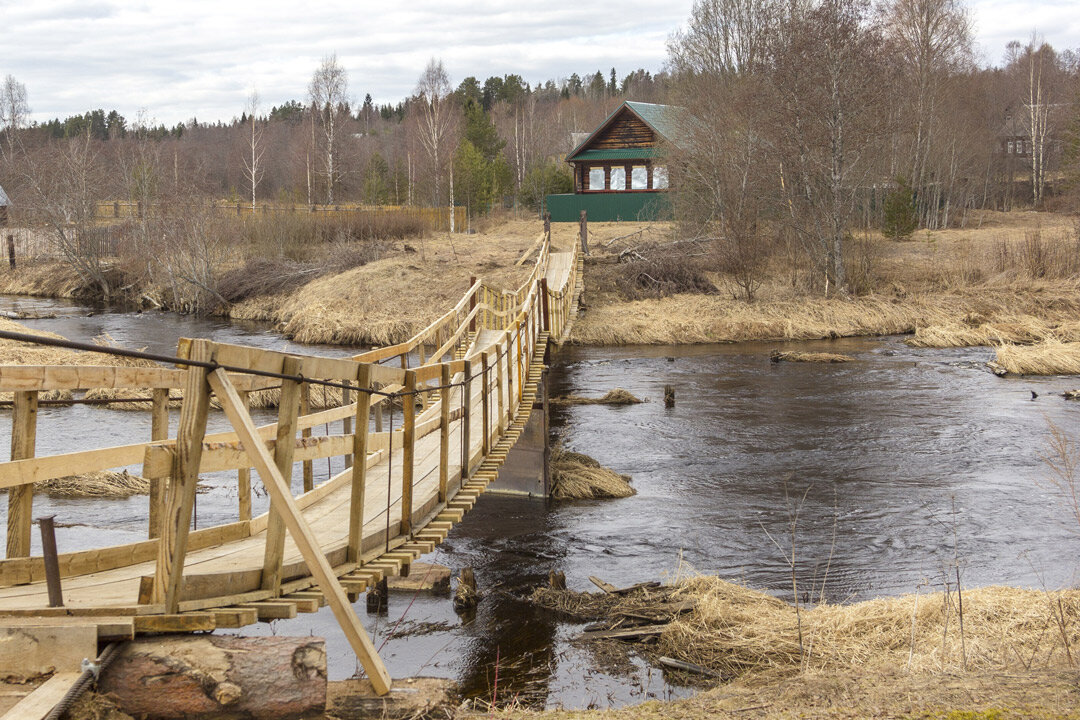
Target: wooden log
359,468
302,535
21,497
172,548
288,408
634,633
606,587
216,676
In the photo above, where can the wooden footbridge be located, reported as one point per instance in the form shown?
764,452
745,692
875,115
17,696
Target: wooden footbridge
465,386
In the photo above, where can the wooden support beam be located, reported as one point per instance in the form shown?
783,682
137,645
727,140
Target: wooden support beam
172,549
272,609
408,451
243,475
444,431
175,623
359,468
159,430
500,363
21,497
302,534
288,407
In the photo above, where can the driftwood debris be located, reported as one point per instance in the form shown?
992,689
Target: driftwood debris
214,676
687,667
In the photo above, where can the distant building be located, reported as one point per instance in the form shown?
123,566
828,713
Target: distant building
619,168
4,204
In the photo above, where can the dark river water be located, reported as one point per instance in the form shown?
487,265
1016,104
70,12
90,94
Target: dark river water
899,466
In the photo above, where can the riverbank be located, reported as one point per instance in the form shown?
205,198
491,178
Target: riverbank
994,652
1006,278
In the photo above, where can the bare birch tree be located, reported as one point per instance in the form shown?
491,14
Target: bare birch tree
328,92
14,110
933,40
435,121
253,159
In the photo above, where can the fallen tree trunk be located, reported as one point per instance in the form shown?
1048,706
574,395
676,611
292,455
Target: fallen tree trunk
215,676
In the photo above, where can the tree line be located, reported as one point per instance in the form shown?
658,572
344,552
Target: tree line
809,119
492,143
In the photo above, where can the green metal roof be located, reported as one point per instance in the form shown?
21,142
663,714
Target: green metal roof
617,154
662,119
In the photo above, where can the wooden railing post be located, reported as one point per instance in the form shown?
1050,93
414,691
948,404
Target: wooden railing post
21,497
243,475
444,431
180,497
408,451
544,303
347,423
159,430
359,467
466,420
500,362
520,370
305,409
485,442
472,303
288,408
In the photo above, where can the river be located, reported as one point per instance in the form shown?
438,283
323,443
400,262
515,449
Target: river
896,468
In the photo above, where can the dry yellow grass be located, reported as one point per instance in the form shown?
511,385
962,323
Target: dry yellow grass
618,396
579,477
1050,357
99,484
900,657
388,301
809,357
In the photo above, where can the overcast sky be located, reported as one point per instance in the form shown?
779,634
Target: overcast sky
194,58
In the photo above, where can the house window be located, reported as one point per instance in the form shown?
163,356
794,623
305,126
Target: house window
639,178
596,178
618,178
1010,147
659,177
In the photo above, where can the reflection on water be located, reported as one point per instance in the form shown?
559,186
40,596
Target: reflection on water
887,458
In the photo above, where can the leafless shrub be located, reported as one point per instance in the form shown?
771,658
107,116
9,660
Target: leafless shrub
264,276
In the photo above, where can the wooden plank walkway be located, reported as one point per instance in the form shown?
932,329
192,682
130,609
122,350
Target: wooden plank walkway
457,421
